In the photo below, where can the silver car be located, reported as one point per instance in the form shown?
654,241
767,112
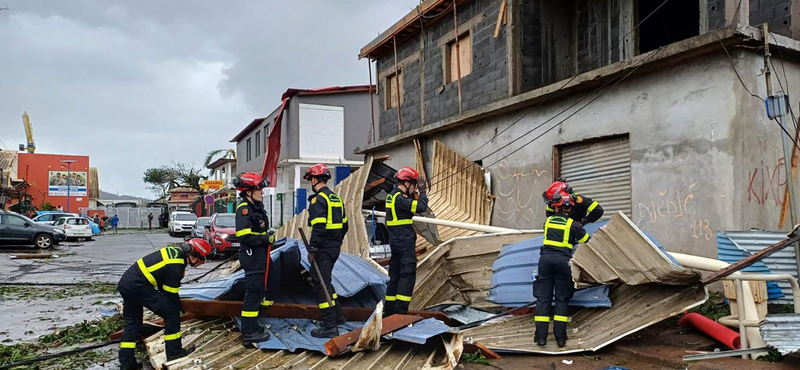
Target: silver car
199,227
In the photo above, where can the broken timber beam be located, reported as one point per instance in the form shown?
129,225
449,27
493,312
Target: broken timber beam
339,344
290,311
477,347
793,237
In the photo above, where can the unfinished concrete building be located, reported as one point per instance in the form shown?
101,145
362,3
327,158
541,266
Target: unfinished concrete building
654,108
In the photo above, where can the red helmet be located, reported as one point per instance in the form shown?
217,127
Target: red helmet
319,171
199,247
249,181
407,174
562,199
554,189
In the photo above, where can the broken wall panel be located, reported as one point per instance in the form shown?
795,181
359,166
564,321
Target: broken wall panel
351,190
634,308
620,253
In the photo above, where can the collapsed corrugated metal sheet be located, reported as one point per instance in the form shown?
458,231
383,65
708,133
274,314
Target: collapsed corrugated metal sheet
635,308
782,332
730,252
459,192
218,347
460,270
780,262
351,190
419,332
620,253
462,313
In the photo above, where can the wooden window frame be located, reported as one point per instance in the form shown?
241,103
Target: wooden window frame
449,48
391,101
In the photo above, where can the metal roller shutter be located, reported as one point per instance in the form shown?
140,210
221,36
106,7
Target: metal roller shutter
601,170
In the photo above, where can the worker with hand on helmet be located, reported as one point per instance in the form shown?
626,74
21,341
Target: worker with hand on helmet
406,199
252,227
328,222
153,282
561,234
584,210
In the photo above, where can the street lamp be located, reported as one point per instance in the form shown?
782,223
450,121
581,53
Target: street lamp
69,162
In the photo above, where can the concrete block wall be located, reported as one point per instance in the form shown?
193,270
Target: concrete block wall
426,96
597,31
777,13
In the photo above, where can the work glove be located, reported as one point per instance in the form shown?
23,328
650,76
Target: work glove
584,222
271,233
311,257
421,184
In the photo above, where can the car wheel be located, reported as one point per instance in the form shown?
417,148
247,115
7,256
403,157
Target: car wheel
43,241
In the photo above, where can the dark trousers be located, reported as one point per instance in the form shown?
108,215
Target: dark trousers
133,301
402,277
325,259
554,273
254,263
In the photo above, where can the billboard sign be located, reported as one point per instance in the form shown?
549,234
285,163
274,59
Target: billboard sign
57,183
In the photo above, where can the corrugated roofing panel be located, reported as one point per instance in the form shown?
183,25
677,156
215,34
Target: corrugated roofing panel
781,262
782,332
420,331
729,252
462,313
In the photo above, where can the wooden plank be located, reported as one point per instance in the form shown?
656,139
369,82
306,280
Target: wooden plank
338,345
29,256
289,311
500,17
753,258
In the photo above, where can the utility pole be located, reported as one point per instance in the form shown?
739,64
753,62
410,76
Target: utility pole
777,108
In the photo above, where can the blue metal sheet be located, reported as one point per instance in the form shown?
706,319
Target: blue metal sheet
514,270
780,262
294,334
420,331
729,251
461,313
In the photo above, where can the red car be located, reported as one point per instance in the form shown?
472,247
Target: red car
219,231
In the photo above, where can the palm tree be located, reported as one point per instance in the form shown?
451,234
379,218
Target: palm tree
215,155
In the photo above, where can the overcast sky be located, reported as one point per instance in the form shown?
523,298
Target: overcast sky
136,84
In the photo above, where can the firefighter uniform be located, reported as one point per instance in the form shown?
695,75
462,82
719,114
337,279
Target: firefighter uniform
561,234
251,231
402,241
328,222
585,210
152,282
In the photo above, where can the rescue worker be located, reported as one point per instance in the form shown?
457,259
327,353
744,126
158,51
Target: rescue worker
252,232
561,234
584,210
407,198
328,222
153,282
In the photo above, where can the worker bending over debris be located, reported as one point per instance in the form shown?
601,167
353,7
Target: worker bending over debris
328,222
153,282
407,198
561,233
252,232
584,210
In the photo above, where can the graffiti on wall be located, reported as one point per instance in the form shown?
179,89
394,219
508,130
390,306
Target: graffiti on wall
674,207
518,203
767,183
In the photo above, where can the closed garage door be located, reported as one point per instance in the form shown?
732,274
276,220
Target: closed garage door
600,170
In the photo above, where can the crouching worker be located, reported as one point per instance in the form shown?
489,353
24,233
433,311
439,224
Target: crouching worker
561,234
153,282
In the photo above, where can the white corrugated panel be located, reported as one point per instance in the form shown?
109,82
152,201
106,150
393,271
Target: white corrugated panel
780,262
602,171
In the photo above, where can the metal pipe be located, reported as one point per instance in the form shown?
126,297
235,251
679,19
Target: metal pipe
778,277
397,88
459,225
733,320
740,305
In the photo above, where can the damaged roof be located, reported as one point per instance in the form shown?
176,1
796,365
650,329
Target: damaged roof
782,332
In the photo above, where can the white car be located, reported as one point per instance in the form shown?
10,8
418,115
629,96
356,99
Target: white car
181,223
75,227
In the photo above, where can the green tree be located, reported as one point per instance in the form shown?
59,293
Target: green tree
189,176
160,180
215,155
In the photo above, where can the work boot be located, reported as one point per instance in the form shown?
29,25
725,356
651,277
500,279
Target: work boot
561,342
325,332
138,366
251,339
183,353
541,342
340,319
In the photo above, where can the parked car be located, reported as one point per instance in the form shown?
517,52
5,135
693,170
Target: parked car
181,223
220,232
16,229
199,228
95,226
74,227
48,218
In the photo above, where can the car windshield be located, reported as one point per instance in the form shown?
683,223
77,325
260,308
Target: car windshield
226,220
203,221
185,217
